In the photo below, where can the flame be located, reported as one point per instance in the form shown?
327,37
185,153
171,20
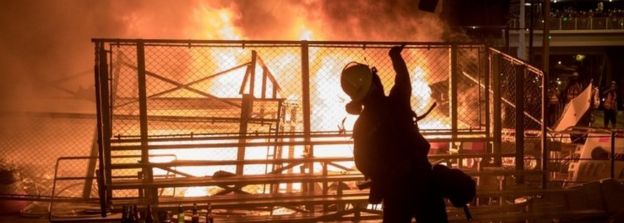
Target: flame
306,35
328,99
420,89
220,23
421,92
215,23
196,192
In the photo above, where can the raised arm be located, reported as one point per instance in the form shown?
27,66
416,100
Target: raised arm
402,84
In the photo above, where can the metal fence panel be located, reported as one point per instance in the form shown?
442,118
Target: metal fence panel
196,90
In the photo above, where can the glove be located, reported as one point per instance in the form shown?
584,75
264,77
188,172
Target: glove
395,51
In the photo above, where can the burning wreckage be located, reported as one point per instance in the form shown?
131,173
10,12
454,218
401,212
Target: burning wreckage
258,130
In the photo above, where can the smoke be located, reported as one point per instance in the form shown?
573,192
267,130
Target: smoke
393,20
380,20
46,50
43,41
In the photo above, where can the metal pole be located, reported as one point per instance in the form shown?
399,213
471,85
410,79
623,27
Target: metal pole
507,50
521,51
252,74
612,154
99,115
520,72
453,93
244,119
497,127
264,82
305,86
545,68
531,24
105,107
487,74
86,189
146,169
246,109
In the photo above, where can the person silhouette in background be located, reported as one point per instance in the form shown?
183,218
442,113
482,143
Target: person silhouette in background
554,104
610,105
386,150
574,88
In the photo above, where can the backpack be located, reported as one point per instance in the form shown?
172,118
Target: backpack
454,185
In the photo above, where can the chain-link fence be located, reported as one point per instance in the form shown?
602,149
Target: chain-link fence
517,115
278,95
55,120
198,88
263,100
244,104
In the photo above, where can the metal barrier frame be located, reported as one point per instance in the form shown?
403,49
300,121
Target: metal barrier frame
491,134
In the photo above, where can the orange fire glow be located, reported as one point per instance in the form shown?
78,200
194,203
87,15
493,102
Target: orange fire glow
328,98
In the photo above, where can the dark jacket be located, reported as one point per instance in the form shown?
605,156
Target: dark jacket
385,146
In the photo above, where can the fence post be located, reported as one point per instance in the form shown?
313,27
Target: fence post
545,69
264,82
613,154
520,71
252,73
242,132
506,31
453,94
86,189
102,117
146,169
531,30
106,121
496,128
591,23
483,57
305,87
246,110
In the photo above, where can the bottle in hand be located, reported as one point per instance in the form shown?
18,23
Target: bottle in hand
195,216
180,214
165,217
131,215
125,214
149,215
136,214
209,217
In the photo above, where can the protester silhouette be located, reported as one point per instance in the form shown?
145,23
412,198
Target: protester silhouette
610,105
388,149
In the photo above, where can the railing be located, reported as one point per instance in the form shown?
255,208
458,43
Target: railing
66,177
579,23
480,92
587,23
